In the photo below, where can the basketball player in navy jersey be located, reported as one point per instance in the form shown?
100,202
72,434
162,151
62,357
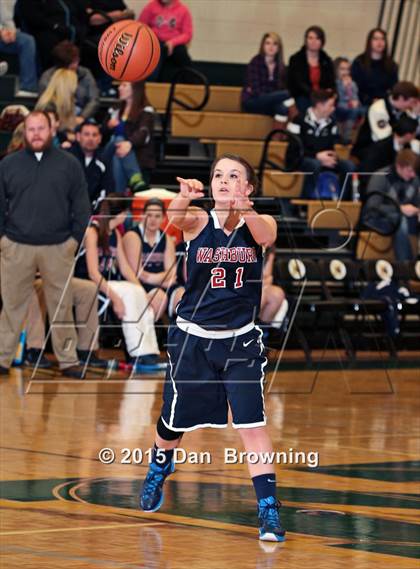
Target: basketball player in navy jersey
216,357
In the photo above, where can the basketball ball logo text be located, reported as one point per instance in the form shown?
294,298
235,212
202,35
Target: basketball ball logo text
119,48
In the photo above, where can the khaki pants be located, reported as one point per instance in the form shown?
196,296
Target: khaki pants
85,302
18,266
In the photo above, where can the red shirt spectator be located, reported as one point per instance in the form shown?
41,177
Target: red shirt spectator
315,76
170,20
172,23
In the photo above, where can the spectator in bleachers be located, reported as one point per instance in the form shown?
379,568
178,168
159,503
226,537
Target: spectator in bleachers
265,88
22,44
112,11
401,183
151,254
384,113
44,211
109,269
60,95
349,111
310,69
274,305
374,71
53,21
59,137
131,147
17,141
101,14
67,56
172,23
382,153
318,133
84,301
97,170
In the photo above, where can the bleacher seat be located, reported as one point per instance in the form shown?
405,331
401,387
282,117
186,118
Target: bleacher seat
222,99
204,124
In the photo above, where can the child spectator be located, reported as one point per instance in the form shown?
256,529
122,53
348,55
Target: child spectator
265,90
172,23
374,71
131,147
348,110
310,69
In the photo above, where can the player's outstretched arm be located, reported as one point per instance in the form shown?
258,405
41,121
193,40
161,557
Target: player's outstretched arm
263,227
179,212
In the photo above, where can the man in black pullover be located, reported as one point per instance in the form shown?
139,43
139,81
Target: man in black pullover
44,211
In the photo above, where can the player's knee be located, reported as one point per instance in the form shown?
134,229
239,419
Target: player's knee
278,294
165,433
251,433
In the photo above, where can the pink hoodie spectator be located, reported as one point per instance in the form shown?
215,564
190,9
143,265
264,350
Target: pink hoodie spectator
170,22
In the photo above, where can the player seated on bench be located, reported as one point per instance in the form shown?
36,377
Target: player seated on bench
151,255
108,268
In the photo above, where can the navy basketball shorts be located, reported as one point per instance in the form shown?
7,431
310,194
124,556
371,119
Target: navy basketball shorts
205,376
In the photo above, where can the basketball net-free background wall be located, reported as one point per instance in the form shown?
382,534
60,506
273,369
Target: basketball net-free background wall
231,31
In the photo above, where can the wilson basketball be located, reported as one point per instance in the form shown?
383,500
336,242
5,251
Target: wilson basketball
129,50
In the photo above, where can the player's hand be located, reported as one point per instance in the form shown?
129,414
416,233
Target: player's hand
112,123
144,277
169,47
123,148
8,35
191,188
327,158
241,202
409,210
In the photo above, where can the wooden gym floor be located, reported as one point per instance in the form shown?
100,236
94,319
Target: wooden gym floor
63,508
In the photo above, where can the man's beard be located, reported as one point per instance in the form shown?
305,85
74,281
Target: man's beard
46,145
